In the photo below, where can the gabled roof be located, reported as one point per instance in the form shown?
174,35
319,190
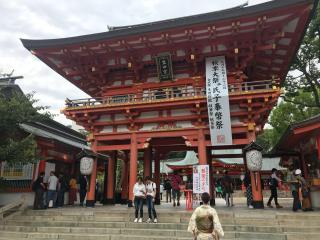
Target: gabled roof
264,37
165,24
296,133
46,128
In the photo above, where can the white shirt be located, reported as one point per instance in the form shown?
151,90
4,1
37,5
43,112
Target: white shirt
139,190
151,189
52,181
161,188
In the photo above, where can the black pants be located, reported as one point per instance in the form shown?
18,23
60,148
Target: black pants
168,195
38,199
83,193
151,209
60,198
274,195
296,201
138,204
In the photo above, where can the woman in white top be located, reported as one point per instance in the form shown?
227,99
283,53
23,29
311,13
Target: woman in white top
139,192
204,223
151,194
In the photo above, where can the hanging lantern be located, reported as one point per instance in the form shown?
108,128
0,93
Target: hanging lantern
86,165
254,160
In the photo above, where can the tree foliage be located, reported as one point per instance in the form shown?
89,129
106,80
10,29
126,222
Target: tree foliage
301,97
16,145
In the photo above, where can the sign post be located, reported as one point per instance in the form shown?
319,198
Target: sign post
201,182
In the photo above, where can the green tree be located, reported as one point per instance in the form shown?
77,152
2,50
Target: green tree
285,114
15,145
304,72
301,98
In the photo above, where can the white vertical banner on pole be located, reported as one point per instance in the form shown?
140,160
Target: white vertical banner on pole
201,182
218,101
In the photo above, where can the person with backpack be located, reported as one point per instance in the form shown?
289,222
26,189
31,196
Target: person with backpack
204,223
274,183
61,189
39,188
151,194
175,183
228,189
167,187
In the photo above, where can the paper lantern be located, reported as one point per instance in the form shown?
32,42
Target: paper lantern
254,160
86,165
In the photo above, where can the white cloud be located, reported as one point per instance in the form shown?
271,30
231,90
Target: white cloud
39,19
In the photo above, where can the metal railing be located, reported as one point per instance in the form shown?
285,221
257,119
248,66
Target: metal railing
168,93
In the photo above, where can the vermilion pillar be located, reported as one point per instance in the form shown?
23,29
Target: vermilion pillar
111,178
42,163
92,183
202,152
157,175
133,166
147,160
124,184
256,190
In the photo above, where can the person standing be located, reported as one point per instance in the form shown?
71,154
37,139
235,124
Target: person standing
175,183
72,190
228,189
167,188
305,192
247,184
204,223
83,188
274,183
151,193
39,188
62,188
139,193
294,188
52,189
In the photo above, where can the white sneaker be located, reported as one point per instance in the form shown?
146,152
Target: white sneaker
250,206
149,220
140,220
155,220
135,220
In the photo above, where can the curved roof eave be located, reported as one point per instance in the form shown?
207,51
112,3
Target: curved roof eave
163,25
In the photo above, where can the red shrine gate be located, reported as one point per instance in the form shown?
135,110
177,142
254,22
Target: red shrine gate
137,106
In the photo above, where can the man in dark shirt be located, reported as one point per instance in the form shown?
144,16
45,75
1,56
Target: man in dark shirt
39,188
167,187
228,189
83,188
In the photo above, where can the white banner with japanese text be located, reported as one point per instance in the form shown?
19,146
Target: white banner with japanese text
201,182
218,101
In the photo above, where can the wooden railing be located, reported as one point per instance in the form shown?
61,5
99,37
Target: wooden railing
20,204
169,93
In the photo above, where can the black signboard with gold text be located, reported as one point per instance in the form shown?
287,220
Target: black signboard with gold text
164,67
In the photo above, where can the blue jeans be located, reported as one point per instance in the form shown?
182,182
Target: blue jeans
138,204
51,195
150,205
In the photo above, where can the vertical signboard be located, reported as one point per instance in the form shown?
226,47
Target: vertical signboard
164,67
201,182
218,101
